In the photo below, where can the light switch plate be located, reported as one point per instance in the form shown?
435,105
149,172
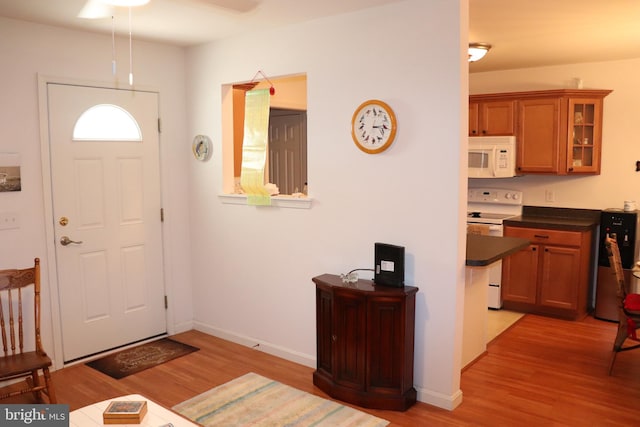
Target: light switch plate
9,220
549,196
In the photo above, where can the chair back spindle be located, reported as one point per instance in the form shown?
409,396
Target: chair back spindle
12,320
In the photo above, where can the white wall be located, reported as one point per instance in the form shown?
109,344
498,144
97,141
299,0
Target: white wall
618,180
28,50
252,267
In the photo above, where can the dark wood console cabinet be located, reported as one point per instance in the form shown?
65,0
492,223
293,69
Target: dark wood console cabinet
365,339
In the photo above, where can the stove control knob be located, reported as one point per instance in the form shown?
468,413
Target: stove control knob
515,196
507,196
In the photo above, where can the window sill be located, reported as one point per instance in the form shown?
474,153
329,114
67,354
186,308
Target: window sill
282,201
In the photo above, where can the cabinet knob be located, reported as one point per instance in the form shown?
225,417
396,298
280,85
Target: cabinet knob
334,337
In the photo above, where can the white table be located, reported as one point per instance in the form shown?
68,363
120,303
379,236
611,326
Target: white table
156,416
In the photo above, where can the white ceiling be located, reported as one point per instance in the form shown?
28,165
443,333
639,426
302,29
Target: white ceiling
532,33
523,33
184,22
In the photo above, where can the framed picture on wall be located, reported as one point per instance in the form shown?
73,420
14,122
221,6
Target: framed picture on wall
10,179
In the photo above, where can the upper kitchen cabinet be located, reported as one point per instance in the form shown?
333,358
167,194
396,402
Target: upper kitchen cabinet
560,132
585,135
491,117
538,141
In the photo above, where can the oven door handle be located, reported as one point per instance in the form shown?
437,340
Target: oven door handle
495,227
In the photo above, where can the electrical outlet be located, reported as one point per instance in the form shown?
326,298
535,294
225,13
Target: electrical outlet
9,220
549,196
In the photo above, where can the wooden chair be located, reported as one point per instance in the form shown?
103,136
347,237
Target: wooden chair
628,306
18,362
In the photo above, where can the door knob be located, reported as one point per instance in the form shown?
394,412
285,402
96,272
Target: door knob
65,240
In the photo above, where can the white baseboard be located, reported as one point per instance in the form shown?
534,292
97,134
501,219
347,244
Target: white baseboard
266,347
180,327
449,402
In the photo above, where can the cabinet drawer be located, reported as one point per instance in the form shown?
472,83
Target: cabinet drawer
545,236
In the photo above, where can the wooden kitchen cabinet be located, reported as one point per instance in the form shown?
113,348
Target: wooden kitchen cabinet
551,276
584,140
518,286
365,342
489,117
539,146
560,132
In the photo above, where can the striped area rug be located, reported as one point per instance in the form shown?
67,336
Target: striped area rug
253,400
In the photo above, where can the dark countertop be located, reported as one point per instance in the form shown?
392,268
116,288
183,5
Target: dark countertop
485,250
556,218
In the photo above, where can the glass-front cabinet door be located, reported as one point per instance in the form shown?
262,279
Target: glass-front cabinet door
585,132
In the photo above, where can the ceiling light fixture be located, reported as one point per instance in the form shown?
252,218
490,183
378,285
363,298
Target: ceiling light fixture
477,51
98,9
130,51
125,3
94,9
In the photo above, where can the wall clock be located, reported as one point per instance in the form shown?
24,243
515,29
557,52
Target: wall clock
373,126
201,147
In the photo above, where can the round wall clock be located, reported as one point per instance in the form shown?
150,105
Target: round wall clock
373,126
201,147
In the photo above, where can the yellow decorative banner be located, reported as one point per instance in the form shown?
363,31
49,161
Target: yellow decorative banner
254,146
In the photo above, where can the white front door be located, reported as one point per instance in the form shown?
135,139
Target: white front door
106,205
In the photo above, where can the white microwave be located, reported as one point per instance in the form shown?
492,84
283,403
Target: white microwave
492,156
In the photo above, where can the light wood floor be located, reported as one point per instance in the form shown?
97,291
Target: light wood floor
541,371
499,321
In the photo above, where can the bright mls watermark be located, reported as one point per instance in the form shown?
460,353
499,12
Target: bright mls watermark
40,415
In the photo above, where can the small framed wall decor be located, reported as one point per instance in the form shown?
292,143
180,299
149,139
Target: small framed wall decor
10,177
202,147
373,126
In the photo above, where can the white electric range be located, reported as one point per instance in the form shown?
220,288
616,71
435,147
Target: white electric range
487,208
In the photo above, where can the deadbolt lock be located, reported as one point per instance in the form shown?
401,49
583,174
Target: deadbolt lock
63,221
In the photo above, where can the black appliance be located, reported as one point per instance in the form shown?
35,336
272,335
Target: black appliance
389,265
625,227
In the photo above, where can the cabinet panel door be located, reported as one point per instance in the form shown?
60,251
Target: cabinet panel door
539,148
474,125
324,335
497,118
349,335
520,275
585,135
385,319
561,275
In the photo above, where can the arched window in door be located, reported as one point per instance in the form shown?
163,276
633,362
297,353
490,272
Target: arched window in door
106,122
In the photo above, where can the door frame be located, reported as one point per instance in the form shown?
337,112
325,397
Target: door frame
47,190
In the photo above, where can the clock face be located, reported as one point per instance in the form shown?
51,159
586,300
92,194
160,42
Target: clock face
373,126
